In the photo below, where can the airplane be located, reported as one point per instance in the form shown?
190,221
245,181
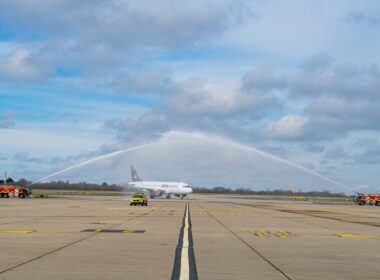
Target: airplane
155,189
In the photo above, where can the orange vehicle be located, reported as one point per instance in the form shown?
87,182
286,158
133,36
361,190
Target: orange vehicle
363,199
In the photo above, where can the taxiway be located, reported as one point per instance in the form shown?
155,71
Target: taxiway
231,238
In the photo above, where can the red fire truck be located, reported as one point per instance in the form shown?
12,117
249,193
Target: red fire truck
13,191
370,199
8,189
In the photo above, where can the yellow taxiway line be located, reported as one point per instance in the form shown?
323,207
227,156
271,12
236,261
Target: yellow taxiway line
349,235
16,231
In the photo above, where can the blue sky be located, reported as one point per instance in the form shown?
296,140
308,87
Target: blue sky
297,79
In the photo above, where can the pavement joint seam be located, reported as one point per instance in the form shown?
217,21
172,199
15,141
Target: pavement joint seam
305,214
247,244
286,218
63,247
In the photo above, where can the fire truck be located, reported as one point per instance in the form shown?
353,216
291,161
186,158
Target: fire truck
14,191
7,189
370,199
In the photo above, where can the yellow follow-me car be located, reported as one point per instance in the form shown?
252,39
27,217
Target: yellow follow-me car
138,198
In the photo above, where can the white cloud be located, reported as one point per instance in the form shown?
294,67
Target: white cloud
6,48
7,120
126,24
263,78
199,97
149,47
21,65
308,27
154,81
105,38
47,143
288,127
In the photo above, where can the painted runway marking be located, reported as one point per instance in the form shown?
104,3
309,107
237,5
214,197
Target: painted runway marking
279,233
20,232
114,230
261,233
16,231
285,234
88,236
184,275
349,235
184,262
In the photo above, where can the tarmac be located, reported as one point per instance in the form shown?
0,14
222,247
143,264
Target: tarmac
223,237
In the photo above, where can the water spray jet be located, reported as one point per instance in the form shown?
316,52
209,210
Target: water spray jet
209,160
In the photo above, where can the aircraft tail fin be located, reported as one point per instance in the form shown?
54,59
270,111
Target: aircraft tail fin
135,175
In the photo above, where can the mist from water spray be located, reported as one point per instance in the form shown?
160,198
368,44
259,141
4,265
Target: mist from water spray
83,163
292,164
181,137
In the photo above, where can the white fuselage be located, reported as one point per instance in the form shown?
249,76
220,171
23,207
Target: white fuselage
175,188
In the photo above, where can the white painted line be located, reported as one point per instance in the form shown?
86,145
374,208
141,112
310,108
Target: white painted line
185,271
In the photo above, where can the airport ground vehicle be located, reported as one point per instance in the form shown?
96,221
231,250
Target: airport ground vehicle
138,199
12,191
363,199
